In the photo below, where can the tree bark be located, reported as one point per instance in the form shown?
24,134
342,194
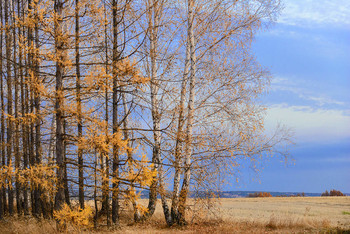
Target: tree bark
19,106
78,100
2,121
60,196
65,184
153,19
38,151
17,73
9,102
190,109
106,184
29,102
178,154
137,215
116,56
24,127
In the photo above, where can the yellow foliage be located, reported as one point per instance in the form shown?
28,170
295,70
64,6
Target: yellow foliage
76,217
96,138
140,172
98,79
126,68
6,175
142,209
40,175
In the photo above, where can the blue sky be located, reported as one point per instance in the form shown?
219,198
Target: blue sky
308,53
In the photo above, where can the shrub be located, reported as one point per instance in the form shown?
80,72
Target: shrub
260,194
332,193
76,217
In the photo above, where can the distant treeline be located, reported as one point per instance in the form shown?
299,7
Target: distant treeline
275,194
332,193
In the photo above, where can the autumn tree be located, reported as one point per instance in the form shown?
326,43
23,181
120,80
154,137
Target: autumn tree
102,100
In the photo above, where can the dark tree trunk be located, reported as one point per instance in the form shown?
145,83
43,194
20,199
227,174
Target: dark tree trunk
17,73
24,127
2,122
60,196
38,198
78,97
19,83
9,102
30,105
65,184
116,55
25,110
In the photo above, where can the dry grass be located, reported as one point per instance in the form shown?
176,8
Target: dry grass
239,215
308,211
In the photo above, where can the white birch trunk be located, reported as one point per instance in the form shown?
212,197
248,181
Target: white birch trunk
137,215
180,136
189,129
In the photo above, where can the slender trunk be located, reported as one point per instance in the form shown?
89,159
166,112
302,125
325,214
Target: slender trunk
106,189
180,138
65,184
78,98
16,137
28,160
105,207
95,191
162,192
154,18
40,207
106,157
30,137
51,161
102,166
106,185
9,102
2,121
137,215
25,110
153,23
24,132
20,107
60,196
29,101
32,141
116,55
190,109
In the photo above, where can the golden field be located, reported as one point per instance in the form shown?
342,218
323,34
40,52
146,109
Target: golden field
236,215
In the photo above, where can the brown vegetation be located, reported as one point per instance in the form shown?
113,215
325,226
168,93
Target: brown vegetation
260,194
239,215
332,193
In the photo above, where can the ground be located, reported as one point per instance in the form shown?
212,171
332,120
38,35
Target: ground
236,215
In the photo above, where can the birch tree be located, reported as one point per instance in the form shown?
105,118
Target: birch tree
104,100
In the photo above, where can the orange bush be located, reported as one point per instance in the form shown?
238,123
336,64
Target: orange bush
260,194
332,193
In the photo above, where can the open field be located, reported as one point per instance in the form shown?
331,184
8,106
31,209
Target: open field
331,210
236,215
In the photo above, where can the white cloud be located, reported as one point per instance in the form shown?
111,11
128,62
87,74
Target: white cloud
310,124
315,12
323,100
284,84
305,91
